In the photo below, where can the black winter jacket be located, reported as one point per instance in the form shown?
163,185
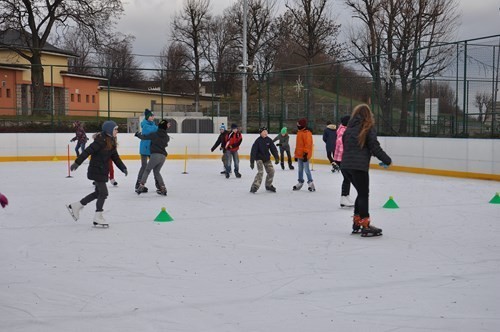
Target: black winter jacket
99,162
260,150
221,141
358,158
330,137
159,141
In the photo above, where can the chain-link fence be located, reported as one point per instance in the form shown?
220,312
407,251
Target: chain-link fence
459,101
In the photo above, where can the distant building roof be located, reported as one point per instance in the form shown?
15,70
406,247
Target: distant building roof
11,38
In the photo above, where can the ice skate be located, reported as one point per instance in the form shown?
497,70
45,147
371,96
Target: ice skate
283,166
311,186
368,230
162,191
290,166
140,189
356,227
253,189
99,220
271,188
227,175
74,210
298,186
237,174
144,190
345,201
113,182
335,167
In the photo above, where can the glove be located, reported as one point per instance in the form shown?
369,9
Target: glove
304,158
125,171
278,144
72,140
212,150
137,133
383,165
3,200
74,166
252,165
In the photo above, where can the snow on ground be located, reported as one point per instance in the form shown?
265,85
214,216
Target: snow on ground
236,261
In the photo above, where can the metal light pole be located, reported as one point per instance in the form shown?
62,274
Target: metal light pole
245,68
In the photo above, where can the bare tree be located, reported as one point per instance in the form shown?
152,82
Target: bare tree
118,64
188,28
174,67
219,50
314,33
37,20
76,42
406,40
484,102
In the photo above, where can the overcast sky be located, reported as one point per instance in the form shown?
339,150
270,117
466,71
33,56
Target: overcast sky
149,21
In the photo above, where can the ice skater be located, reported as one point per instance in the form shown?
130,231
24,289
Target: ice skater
233,142
283,143
345,198
330,137
101,150
221,143
148,126
303,153
360,143
80,137
260,155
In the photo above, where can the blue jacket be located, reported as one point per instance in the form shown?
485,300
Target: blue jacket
147,127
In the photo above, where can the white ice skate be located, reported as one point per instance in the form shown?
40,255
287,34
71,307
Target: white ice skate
113,182
298,186
311,186
99,220
74,210
345,201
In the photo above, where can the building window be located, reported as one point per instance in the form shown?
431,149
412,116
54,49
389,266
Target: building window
0,92
7,93
79,96
93,99
87,99
72,97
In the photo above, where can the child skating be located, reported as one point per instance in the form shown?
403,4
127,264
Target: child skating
159,142
360,143
261,154
101,150
283,143
303,153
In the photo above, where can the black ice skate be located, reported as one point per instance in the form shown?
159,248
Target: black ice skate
271,188
237,174
368,230
162,191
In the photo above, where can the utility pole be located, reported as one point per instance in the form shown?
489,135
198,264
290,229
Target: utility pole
244,70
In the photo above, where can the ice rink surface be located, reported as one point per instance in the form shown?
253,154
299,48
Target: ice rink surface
236,261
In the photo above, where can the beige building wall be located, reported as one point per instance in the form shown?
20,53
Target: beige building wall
129,104
53,65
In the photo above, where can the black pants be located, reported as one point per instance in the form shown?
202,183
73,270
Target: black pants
361,181
329,155
282,155
100,193
346,183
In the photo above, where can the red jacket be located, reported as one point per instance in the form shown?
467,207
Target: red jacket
233,141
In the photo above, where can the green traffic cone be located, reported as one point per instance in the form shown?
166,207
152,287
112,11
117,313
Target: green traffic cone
391,204
495,199
163,216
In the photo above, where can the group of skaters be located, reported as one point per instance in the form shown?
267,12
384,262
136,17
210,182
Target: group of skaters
355,141
349,149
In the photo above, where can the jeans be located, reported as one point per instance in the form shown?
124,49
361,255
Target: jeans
304,166
234,156
78,146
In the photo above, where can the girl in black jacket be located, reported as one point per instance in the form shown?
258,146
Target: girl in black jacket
360,143
102,149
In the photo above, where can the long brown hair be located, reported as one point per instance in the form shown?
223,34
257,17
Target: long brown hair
364,112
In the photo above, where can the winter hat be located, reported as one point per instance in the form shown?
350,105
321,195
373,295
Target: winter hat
148,113
302,123
345,120
234,126
163,124
222,127
261,129
283,130
76,123
108,127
